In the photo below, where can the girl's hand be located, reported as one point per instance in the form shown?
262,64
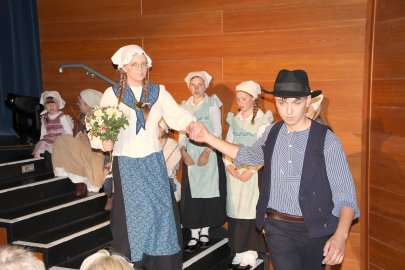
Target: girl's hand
197,132
245,176
204,157
187,159
108,146
231,169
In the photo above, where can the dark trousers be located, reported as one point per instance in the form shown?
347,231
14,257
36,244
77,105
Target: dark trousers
291,247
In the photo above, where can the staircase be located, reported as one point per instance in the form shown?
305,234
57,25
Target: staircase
39,211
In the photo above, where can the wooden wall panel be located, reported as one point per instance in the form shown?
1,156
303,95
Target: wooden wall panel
319,16
388,93
385,257
161,6
73,10
68,51
339,40
388,175
387,138
390,63
135,26
331,67
387,148
390,10
387,204
234,40
378,230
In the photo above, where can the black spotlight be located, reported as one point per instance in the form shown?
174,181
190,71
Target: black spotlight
26,117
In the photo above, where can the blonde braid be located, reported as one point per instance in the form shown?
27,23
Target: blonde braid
123,80
145,108
255,109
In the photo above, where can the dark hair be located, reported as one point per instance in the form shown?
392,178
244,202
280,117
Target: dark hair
49,100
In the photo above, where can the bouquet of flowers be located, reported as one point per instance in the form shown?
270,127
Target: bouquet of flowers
105,123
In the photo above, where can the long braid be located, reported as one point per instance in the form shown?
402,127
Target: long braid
255,109
145,108
123,80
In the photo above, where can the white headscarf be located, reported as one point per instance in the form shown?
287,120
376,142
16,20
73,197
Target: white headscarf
202,74
61,103
250,87
125,54
316,102
91,97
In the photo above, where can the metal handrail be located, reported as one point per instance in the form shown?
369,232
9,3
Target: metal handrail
89,71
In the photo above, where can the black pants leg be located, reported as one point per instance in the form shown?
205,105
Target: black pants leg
291,247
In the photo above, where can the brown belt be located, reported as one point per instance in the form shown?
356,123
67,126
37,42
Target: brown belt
271,213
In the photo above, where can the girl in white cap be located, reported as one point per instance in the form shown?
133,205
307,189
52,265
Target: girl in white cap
203,181
144,217
245,127
73,157
53,124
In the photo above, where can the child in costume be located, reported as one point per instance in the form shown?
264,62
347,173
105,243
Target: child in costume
249,123
145,223
54,123
203,181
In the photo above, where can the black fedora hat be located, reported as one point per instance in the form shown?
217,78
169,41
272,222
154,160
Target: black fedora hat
292,83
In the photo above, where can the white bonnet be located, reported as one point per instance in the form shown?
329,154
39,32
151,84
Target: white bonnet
250,87
91,97
316,102
125,54
61,103
202,74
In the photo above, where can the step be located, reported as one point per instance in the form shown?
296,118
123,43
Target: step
23,171
14,152
59,251
217,257
33,197
38,222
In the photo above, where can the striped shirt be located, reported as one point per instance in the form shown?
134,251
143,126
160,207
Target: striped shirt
287,162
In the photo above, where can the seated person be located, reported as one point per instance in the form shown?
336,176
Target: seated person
103,260
73,156
54,123
18,258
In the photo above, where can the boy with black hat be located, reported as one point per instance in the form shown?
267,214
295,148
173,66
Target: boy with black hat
307,197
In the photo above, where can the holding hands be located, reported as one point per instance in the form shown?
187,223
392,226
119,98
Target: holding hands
197,132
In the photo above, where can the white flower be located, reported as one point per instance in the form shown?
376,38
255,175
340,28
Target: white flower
98,113
110,112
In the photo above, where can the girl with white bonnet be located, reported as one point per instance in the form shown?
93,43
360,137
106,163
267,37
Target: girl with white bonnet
73,157
144,218
54,123
203,181
245,240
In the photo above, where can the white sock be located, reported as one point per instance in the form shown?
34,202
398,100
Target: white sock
204,231
238,258
194,234
249,258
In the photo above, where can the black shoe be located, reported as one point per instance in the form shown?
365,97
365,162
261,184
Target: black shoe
204,244
191,248
244,267
232,266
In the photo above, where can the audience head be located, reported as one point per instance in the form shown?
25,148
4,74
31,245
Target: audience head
18,258
103,260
